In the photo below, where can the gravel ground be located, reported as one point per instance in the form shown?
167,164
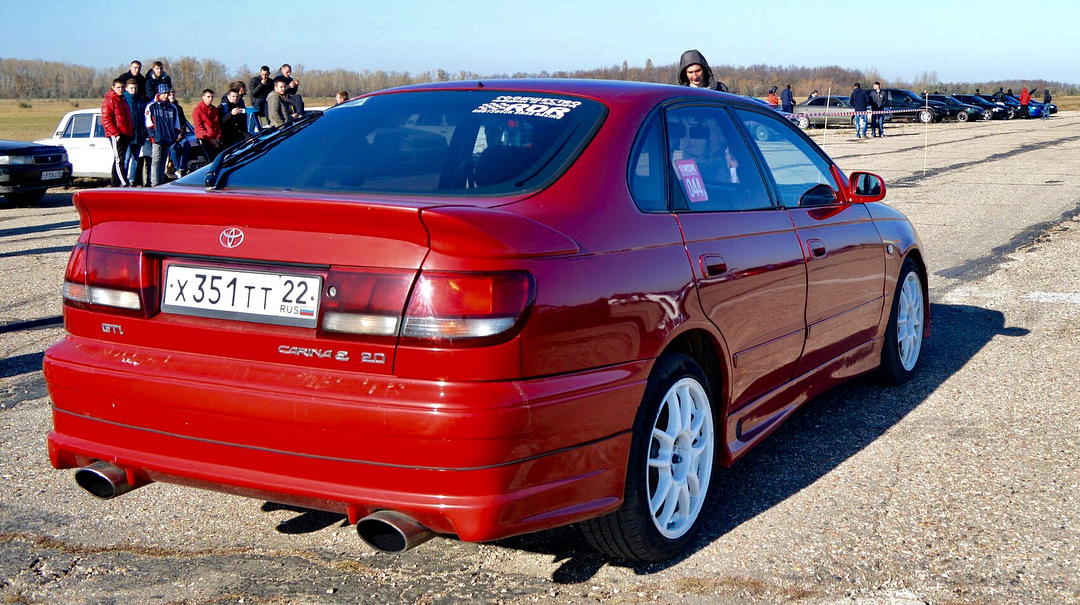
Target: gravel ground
961,486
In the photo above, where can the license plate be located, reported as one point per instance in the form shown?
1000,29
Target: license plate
287,299
49,175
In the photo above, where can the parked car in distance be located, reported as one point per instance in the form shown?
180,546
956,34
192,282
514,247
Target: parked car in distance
814,112
906,105
27,170
957,110
81,133
481,310
1013,110
991,110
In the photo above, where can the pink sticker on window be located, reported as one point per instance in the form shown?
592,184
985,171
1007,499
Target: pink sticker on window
692,184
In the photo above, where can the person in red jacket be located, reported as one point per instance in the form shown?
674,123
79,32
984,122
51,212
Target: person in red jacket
207,125
116,118
1025,101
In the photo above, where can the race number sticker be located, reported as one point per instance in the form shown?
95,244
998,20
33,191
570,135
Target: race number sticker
540,107
692,184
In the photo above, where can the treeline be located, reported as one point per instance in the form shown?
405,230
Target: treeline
34,78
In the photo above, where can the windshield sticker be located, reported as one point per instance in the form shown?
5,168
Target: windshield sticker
541,107
692,184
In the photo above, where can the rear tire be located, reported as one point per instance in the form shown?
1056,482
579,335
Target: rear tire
668,475
904,334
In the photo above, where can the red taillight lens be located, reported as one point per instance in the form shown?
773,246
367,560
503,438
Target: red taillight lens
109,277
452,306
365,301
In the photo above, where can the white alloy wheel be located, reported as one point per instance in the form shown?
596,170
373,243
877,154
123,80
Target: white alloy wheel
680,458
909,321
804,122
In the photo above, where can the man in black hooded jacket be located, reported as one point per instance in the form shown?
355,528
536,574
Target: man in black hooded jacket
694,71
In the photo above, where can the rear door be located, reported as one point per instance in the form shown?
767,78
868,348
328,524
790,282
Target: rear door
84,148
748,267
845,262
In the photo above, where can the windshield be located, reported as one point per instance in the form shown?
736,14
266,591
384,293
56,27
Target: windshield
427,142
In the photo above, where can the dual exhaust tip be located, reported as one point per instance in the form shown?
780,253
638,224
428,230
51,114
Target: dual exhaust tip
386,531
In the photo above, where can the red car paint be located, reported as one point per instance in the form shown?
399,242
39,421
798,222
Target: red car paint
521,431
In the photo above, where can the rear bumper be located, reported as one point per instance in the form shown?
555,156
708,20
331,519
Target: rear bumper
479,460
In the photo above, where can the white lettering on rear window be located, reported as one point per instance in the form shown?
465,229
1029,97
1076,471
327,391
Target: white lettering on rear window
541,107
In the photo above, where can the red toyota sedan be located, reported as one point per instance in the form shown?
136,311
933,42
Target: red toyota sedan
481,309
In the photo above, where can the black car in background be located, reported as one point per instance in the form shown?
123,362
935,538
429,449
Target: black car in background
907,105
957,110
27,170
991,110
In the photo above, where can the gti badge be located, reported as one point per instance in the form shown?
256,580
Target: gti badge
231,237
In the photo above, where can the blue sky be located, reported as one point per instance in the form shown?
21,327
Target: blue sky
960,40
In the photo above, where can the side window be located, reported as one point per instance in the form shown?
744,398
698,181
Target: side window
647,168
797,168
713,168
99,128
79,127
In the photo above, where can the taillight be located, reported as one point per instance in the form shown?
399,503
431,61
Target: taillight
447,307
107,277
365,301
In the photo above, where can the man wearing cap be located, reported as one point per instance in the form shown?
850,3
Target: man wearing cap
694,71
163,126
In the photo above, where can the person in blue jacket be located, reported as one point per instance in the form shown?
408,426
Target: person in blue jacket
787,99
860,101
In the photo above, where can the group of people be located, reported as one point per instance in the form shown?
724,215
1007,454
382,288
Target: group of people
146,125
872,102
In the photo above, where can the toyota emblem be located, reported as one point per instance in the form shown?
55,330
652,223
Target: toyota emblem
231,237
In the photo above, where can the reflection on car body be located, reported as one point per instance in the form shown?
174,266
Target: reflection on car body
584,297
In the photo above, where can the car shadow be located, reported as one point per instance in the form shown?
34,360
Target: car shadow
816,439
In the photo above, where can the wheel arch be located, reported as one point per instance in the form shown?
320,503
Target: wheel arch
702,346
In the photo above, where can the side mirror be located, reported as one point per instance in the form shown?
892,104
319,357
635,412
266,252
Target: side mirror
865,187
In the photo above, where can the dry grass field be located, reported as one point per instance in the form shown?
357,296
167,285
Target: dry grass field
36,118
26,120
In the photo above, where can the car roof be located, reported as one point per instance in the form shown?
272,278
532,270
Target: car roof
602,90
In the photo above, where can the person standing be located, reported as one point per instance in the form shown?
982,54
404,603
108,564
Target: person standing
261,87
207,118
694,71
116,119
233,119
134,72
878,99
860,101
787,99
278,110
999,96
180,152
292,91
156,78
138,150
812,96
163,128
1025,102
1046,104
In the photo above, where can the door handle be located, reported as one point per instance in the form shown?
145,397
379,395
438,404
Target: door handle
816,248
712,265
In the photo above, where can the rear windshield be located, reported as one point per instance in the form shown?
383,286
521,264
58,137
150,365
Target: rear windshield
422,142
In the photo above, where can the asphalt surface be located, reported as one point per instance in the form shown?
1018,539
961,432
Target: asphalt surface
961,486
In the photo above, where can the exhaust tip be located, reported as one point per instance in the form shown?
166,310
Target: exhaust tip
392,532
103,480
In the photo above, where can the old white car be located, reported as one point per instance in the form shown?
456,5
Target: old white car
81,133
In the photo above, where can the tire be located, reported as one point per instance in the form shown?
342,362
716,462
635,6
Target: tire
672,457
804,122
25,197
904,334
926,116
962,117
